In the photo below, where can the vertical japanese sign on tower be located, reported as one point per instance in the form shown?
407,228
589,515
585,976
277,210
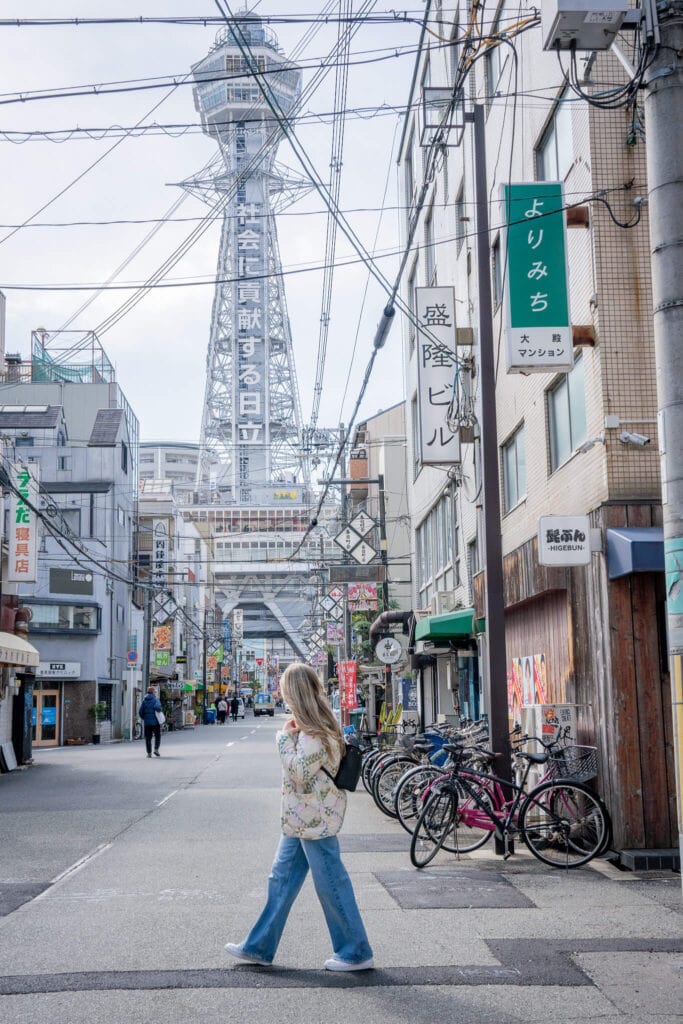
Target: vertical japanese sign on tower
251,360
23,526
436,369
539,334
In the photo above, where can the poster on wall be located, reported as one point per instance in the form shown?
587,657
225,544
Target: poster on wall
527,684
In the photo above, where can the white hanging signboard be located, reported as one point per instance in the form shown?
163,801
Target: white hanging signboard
22,563
564,540
436,369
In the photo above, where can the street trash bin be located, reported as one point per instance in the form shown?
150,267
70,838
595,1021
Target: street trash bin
210,716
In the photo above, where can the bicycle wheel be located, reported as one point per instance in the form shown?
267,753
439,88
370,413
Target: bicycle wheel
563,824
137,731
408,797
368,765
436,818
471,828
559,803
386,781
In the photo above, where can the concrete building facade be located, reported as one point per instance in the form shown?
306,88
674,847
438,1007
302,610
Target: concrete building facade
592,635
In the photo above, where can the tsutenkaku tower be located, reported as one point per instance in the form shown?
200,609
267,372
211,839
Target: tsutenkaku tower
250,436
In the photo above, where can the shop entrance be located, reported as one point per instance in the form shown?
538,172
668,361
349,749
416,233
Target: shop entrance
45,718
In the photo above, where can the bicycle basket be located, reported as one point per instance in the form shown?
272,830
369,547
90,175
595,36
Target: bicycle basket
578,763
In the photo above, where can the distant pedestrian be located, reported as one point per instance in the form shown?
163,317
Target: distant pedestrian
148,713
312,814
222,711
234,708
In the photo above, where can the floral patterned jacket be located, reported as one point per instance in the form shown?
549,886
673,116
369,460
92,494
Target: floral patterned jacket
312,806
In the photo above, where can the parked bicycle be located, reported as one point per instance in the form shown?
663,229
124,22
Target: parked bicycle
561,821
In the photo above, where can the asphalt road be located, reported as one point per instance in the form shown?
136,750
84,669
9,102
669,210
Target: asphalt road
121,878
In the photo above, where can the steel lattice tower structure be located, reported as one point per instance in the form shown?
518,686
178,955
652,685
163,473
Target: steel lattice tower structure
251,423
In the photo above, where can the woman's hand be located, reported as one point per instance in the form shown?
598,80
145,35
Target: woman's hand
291,726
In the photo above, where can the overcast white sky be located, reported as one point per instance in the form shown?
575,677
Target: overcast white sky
159,348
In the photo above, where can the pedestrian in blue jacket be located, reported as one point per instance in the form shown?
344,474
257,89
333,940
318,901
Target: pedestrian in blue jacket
148,713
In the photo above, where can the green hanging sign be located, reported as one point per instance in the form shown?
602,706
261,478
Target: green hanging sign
539,333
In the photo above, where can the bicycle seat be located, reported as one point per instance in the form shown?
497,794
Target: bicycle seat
453,748
423,747
533,758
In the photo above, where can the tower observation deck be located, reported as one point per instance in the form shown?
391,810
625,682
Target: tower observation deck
251,420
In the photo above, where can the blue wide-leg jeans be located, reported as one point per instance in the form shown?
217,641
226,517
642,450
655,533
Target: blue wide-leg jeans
332,884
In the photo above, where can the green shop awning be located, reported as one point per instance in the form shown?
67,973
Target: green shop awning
446,627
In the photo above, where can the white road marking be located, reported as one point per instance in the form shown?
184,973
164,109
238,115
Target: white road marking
69,872
167,798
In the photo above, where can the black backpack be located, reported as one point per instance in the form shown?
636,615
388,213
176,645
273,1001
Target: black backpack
350,766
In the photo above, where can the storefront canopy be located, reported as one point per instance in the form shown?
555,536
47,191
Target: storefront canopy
634,549
452,626
15,651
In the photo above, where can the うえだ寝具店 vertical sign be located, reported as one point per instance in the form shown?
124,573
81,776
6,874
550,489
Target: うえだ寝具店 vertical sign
22,561
437,364
539,333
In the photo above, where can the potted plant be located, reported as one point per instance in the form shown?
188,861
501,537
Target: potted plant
98,712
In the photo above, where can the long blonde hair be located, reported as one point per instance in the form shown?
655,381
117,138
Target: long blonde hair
303,691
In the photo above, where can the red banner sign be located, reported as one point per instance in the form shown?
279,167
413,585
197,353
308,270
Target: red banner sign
346,674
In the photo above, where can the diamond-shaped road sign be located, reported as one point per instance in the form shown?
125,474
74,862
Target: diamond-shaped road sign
363,553
337,612
362,523
336,593
328,603
347,539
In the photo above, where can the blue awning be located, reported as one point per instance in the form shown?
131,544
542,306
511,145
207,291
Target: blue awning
634,549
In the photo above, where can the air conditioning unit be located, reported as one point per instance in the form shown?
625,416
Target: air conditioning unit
422,613
445,601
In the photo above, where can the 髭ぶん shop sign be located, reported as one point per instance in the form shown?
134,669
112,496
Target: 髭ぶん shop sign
23,525
539,334
564,540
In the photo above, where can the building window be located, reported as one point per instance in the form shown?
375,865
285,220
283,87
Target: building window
64,618
555,152
514,470
496,274
495,61
567,415
63,462
472,561
120,516
460,219
409,175
412,303
120,613
124,456
23,442
71,518
415,424
454,51
430,255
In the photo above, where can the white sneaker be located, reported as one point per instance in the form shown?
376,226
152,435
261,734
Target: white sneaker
335,963
236,950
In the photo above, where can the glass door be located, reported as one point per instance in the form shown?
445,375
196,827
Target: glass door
45,718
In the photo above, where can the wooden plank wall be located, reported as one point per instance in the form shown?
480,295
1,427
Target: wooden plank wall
604,649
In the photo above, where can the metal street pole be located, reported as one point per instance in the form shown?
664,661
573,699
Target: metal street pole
664,123
388,677
495,657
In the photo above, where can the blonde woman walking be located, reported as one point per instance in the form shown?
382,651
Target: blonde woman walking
312,814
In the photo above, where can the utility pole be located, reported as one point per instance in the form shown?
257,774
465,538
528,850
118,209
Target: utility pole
388,678
495,657
664,125
147,642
